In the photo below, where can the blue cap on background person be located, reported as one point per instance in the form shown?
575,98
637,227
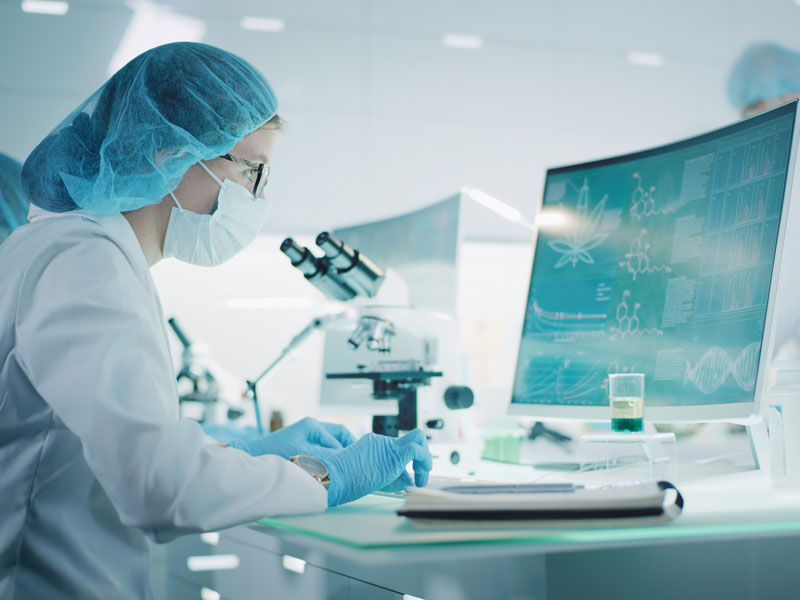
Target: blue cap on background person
765,72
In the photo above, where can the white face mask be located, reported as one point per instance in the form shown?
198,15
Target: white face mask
210,240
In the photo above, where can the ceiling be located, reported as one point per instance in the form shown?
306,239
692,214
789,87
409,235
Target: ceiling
383,118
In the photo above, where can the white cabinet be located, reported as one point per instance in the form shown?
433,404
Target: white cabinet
246,572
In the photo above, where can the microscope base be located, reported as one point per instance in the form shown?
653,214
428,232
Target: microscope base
405,420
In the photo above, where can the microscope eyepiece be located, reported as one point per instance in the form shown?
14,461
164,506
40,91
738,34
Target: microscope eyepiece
357,270
294,251
341,274
318,271
340,254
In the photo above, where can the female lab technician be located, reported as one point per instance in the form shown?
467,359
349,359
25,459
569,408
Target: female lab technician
169,158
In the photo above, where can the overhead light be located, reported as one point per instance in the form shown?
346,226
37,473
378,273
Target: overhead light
152,25
646,59
497,206
45,7
459,40
263,24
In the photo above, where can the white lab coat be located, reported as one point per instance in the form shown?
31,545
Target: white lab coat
93,455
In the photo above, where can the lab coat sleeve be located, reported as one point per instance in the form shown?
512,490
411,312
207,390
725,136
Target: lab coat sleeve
87,341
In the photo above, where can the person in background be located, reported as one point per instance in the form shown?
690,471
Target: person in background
767,75
764,76
169,158
13,203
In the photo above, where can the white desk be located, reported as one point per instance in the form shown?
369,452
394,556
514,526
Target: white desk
737,538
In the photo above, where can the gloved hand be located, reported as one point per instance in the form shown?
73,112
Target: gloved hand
376,462
307,436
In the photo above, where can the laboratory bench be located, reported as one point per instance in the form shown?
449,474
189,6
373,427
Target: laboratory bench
736,538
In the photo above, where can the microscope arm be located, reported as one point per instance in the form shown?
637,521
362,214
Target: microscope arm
322,322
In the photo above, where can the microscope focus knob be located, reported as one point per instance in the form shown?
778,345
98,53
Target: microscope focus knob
458,396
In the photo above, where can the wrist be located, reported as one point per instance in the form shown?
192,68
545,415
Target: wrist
238,445
334,487
314,467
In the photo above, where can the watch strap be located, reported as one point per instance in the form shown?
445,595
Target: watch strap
325,481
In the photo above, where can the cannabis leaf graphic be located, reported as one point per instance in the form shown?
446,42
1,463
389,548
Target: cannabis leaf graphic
574,247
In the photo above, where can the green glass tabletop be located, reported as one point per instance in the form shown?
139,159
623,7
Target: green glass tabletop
371,522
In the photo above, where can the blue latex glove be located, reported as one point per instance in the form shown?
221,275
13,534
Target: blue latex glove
376,462
307,436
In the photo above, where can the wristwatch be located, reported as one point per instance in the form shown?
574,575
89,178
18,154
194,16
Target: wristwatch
314,467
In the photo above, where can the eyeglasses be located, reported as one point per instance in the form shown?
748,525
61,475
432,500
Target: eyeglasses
261,172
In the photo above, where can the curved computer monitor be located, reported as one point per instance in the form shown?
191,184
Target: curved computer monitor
663,262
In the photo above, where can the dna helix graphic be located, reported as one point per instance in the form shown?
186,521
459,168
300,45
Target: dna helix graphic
713,368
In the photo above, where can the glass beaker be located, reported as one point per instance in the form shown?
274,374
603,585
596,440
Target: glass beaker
626,396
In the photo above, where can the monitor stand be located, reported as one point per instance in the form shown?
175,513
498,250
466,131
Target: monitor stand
757,437
759,443
694,465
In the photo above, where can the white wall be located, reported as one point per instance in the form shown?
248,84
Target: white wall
383,118
493,286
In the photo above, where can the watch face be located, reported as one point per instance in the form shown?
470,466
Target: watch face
312,465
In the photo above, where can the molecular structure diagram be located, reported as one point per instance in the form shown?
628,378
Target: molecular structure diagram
637,259
628,321
643,202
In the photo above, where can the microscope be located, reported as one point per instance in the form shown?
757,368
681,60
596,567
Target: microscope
204,387
381,352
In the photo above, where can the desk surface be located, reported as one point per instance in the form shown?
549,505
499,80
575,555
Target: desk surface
735,506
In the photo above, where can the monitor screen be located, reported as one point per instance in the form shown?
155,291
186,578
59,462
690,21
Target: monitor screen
659,262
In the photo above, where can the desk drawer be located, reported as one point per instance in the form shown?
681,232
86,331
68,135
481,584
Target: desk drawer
257,574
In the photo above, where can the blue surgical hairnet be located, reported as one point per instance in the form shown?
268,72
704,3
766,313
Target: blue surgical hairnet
130,143
765,71
13,203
